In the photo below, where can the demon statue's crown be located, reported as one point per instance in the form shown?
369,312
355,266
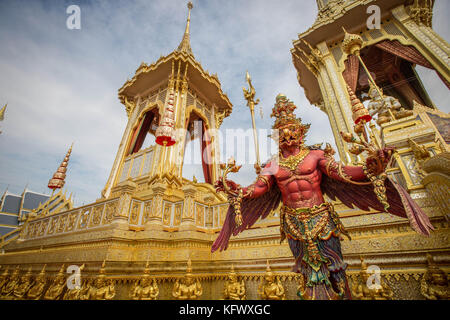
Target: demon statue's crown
283,111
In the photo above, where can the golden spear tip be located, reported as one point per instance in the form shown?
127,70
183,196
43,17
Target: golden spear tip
2,112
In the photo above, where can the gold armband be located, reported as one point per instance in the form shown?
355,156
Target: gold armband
264,179
337,168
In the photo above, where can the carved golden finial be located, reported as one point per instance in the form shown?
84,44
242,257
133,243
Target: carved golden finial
129,105
185,45
352,43
420,152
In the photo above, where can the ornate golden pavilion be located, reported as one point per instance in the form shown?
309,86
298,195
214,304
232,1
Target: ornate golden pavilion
151,222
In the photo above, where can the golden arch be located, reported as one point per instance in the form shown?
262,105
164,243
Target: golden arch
193,109
150,107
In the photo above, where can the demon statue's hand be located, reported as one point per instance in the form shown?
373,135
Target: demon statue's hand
378,160
235,195
234,187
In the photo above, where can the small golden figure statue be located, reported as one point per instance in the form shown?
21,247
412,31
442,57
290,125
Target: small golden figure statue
188,288
37,289
385,106
10,284
434,284
78,293
269,289
102,289
234,290
4,277
145,288
25,284
362,292
56,288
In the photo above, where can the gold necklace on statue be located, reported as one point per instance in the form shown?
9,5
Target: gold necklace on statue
292,162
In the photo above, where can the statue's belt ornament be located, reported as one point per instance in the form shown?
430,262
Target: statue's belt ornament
310,225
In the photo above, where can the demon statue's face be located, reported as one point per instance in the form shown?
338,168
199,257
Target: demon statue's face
290,136
289,130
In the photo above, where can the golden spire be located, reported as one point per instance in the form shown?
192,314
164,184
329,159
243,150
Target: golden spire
268,269
102,272
61,271
42,273
58,179
2,112
232,272
189,266
147,267
185,45
363,264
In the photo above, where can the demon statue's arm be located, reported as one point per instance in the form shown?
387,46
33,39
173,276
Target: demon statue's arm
350,185
259,200
376,164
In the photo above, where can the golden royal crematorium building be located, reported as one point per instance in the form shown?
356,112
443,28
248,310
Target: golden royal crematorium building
149,236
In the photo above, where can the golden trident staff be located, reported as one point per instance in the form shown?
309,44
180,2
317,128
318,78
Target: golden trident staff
235,196
249,95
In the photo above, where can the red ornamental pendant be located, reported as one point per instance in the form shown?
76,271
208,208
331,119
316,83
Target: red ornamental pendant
165,134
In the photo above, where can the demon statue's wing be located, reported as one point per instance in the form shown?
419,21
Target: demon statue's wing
363,197
251,210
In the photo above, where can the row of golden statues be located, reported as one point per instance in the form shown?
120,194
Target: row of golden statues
433,286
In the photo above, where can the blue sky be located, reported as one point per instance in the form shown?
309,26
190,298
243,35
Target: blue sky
61,85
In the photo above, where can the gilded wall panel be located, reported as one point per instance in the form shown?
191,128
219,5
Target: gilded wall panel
147,211
178,214
53,225
167,213
72,220
200,215
84,218
96,218
110,211
135,211
61,223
